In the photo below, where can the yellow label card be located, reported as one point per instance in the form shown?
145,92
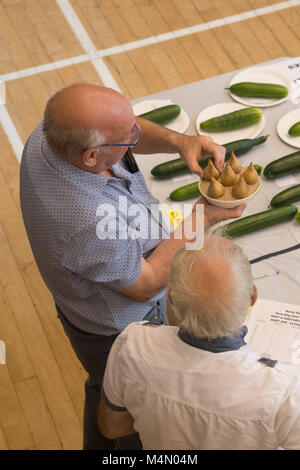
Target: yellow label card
175,217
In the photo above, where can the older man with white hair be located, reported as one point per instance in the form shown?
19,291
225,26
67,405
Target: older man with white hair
198,385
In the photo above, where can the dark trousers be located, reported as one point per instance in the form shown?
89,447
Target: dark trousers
92,351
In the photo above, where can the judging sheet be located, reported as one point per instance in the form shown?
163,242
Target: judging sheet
274,330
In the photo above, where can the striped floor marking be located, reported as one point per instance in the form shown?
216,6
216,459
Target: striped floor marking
94,55
87,44
11,132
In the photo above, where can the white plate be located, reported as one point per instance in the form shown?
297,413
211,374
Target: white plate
261,75
229,136
285,123
180,124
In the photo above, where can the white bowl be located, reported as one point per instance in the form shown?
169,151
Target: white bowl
229,204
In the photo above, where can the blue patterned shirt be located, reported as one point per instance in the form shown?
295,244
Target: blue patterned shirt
63,210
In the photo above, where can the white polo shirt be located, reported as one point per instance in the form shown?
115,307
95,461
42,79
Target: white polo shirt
184,397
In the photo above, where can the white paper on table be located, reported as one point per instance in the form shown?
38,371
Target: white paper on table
266,241
2,352
286,181
176,179
274,330
291,67
295,230
261,270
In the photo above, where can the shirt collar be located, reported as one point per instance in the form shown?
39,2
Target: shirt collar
121,172
216,345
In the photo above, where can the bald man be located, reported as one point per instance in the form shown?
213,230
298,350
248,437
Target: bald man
75,170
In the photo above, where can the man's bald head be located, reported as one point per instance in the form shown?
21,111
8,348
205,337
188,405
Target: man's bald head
211,289
83,116
87,105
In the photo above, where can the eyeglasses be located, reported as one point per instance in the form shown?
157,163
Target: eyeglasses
132,144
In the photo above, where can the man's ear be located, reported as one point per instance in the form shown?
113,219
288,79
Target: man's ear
254,295
89,158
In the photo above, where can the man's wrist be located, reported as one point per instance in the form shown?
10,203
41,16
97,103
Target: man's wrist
178,141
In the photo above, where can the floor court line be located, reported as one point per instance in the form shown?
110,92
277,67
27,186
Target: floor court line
87,44
94,55
11,132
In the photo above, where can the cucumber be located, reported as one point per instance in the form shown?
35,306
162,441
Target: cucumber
191,190
283,166
258,169
162,115
259,90
236,120
287,196
258,221
185,192
178,166
295,129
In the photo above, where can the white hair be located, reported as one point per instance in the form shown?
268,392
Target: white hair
211,288
66,139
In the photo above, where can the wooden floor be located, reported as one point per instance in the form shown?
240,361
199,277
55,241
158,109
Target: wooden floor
41,386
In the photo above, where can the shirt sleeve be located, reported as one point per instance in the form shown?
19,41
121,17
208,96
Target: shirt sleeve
287,424
113,260
113,387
